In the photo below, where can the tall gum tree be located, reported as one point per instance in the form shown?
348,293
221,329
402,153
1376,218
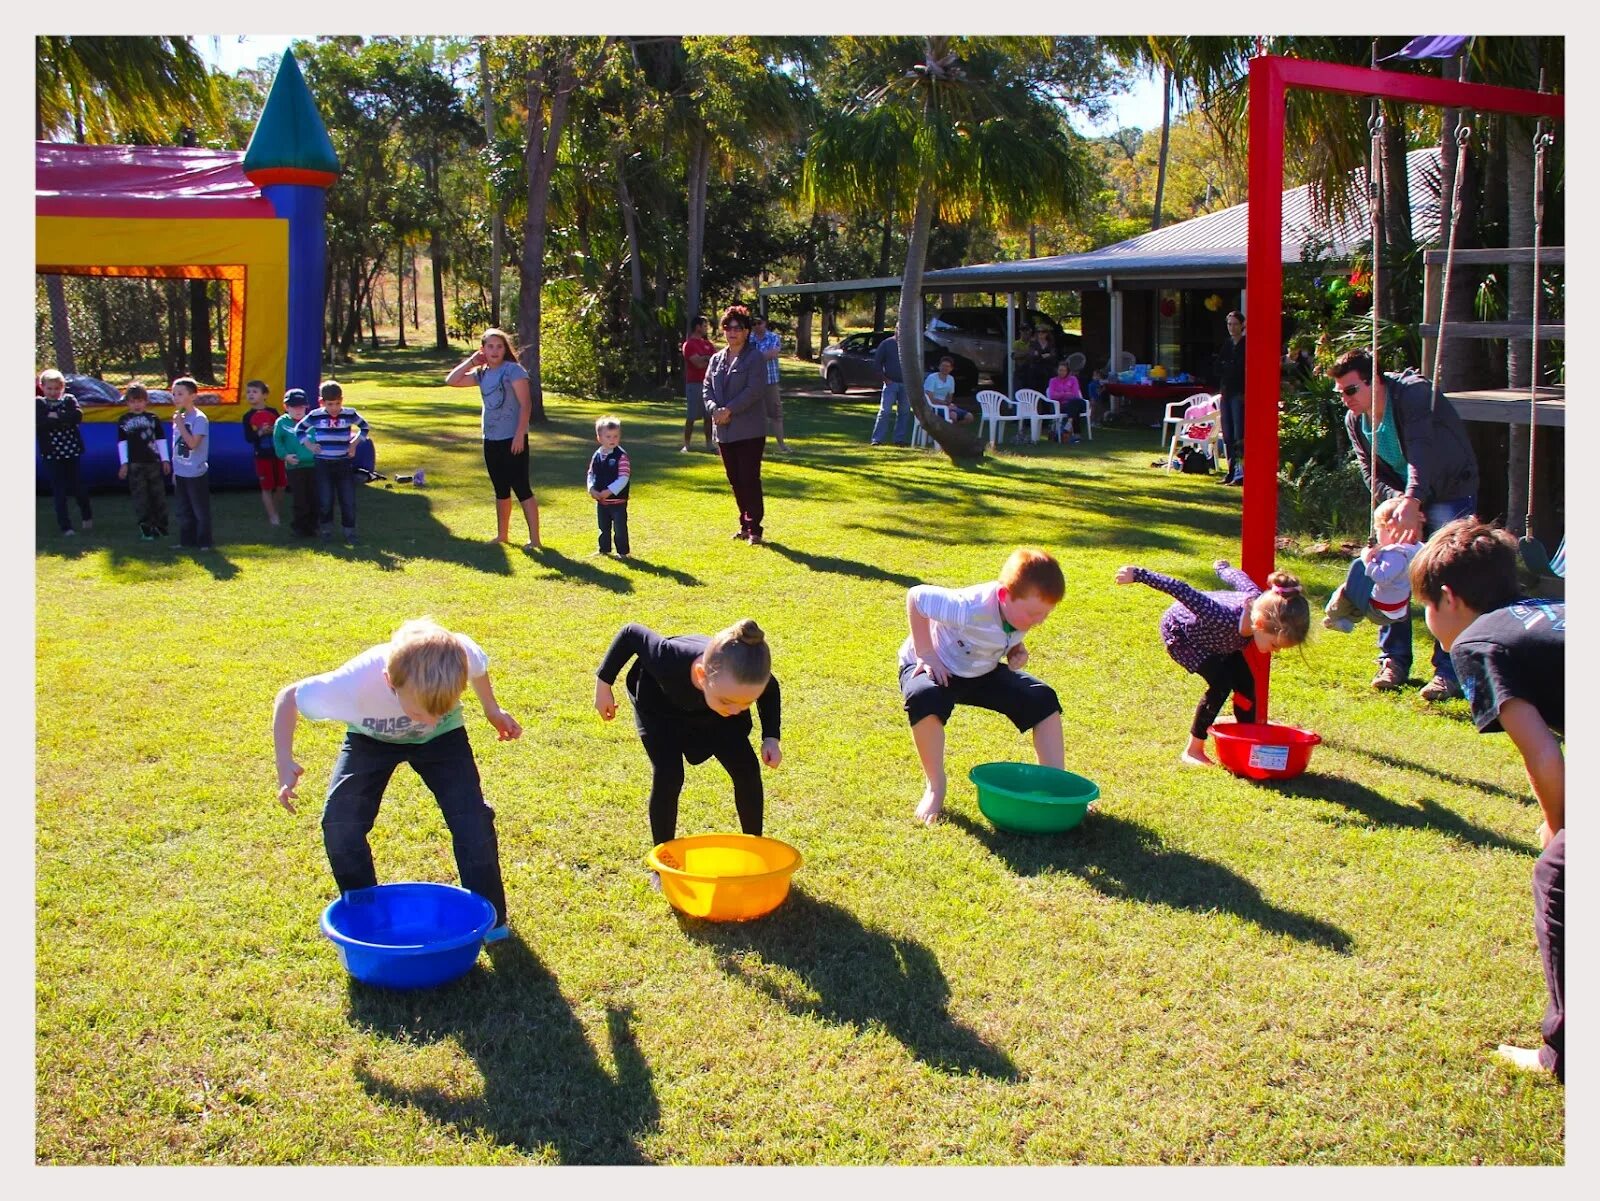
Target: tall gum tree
949,126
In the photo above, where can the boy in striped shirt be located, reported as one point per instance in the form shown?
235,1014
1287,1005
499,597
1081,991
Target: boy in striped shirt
331,433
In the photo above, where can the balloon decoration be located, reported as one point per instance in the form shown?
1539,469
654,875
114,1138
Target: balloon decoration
1213,302
1169,307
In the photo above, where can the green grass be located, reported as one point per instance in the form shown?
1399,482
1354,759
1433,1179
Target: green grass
1206,971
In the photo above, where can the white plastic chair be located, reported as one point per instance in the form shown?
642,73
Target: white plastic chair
919,435
1036,408
1207,435
989,402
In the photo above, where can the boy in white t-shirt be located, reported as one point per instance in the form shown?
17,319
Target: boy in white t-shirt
401,703
965,648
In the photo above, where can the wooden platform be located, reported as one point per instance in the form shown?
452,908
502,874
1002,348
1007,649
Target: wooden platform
1509,406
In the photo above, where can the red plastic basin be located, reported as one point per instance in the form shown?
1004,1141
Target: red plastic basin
1263,750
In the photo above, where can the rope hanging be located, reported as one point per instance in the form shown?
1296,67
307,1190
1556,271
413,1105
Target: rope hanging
1543,138
1375,209
1463,137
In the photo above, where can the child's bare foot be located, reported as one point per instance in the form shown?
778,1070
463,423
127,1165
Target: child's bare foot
930,808
1521,1057
1194,755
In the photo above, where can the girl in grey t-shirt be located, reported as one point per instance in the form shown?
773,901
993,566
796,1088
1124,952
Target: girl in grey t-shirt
502,382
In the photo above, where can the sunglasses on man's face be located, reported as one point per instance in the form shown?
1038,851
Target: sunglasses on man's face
1350,389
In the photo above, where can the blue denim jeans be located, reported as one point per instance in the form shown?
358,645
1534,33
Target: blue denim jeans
894,401
1231,412
613,520
1394,641
361,773
67,480
336,478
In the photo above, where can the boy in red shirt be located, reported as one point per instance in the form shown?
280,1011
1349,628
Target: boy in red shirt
258,420
697,352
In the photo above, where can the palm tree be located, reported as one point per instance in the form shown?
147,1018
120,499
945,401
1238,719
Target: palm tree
103,88
957,127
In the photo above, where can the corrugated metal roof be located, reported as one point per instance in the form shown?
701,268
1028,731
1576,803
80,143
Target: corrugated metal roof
1209,246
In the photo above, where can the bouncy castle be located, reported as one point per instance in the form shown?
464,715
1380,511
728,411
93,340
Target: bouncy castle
254,220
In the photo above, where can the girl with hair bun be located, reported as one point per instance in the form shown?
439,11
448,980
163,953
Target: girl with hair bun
1206,633
691,701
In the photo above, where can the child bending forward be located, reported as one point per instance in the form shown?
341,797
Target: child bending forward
691,701
965,648
1206,633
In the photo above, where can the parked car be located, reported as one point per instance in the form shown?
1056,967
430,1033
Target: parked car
848,364
979,334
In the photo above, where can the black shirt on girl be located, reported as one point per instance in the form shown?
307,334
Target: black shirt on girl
663,692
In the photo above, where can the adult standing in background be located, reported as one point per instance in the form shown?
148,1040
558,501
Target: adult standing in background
502,383
1230,367
697,352
1040,363
765,339
736,399
1423,457
886,358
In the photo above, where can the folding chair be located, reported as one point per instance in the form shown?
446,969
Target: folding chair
989,402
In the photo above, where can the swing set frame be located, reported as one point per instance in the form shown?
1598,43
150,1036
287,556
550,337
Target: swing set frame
1271,78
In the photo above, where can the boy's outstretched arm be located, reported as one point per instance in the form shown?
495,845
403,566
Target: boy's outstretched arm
922,642
1541,755
498,717
284,715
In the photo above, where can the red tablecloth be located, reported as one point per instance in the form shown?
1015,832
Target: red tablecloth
1153,391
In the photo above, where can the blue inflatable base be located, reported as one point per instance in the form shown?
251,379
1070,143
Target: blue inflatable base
231,465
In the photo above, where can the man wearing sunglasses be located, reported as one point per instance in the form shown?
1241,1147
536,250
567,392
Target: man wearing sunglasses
1423,456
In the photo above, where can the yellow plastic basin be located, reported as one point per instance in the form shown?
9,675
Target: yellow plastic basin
724,877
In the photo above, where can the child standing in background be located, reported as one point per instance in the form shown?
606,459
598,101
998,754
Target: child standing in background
56,418
1206,633
142,455
259,421
331,433
609,476
299,464
191,455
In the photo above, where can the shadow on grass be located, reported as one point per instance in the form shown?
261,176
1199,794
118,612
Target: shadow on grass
861,977
1128,862
671,573
582,571
1355,748
834,565
1381,811
542,1083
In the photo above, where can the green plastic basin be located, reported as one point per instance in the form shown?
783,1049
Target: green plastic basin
1029,799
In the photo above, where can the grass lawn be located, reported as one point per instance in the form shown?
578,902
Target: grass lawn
1207,971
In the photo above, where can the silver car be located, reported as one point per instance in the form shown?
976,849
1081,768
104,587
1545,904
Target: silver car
979,334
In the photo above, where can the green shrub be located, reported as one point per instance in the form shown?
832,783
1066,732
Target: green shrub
1323,502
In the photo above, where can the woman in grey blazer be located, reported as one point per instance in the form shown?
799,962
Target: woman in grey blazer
735,389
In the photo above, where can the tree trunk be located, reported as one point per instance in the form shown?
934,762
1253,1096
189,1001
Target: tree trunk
496,224
416,313
441,332
803,332
960,442
544,139
630,225
881,298
400,289
1166,137
200,332
60,326
698,173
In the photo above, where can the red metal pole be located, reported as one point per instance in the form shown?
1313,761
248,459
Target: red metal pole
1264,299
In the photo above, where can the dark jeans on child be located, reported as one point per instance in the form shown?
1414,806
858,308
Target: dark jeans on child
613,521
67,480
192,498
148,487
336,478
1225,674
1026,700
1550,929
360,775
303,495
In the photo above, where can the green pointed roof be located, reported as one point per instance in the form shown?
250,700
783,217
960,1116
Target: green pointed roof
290,144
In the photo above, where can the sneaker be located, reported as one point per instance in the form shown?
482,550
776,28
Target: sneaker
1440,689
742,535
756,540
1389,677
69,533
1343,624
350,538
683,450
88,523
499,934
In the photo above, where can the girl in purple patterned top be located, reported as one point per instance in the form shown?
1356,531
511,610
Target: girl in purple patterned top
1206,633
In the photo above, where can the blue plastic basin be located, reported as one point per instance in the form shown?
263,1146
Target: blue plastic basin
408,935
